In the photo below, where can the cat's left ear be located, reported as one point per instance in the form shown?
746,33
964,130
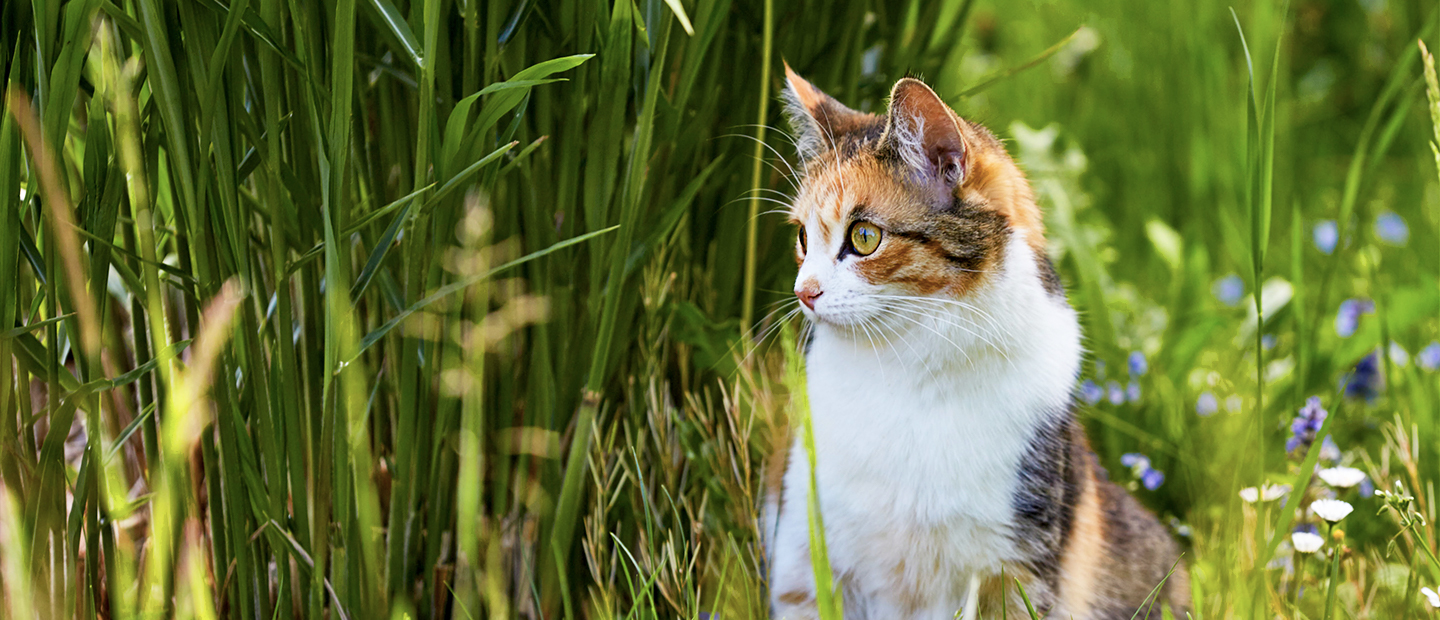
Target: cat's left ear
819,121
925,133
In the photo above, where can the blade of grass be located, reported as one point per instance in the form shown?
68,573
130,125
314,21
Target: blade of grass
752,221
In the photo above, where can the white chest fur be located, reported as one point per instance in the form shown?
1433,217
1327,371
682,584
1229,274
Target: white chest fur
920,431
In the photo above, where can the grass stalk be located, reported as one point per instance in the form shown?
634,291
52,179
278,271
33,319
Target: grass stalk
752,221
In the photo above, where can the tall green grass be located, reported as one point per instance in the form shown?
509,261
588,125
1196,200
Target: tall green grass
455,308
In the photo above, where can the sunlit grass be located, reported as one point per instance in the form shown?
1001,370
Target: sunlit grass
454,309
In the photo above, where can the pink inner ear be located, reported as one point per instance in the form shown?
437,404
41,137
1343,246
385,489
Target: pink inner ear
940,143
952,168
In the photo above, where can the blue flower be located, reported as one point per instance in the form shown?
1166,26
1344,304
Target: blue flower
1132,392
1328,450
1365,380
1138,364
1305,425
1367,488
1229,289
1347,318
1326,235
1429,357
1139,465
1206,405
1391,228
1116,394
1090,392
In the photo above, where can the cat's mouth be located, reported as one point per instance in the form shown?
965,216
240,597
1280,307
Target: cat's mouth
839,315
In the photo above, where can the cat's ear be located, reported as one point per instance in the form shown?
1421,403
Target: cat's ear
817,118
924,133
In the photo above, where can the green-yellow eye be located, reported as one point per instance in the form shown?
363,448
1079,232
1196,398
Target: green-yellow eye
864,237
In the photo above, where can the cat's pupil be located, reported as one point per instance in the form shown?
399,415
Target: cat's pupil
802,240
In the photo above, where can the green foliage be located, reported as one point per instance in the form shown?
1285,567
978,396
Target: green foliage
445,308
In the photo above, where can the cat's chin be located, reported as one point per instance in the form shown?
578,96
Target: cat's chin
854,327
834,320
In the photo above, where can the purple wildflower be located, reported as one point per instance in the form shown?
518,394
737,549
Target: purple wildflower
1365,380
1229,289
1206,405
1305,425
1429,357
1367,488
1138,364
1115,393
1347,318
1139,465
1326,235
1391,228
1090,392
1132,392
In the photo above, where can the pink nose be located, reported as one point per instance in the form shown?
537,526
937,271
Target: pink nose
808,295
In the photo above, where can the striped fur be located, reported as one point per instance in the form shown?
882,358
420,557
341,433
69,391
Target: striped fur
941,375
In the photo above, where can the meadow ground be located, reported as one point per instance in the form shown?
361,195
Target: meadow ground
445,308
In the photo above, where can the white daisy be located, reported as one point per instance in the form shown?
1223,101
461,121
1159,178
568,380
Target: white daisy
1270,492
1342,477
1332,510
1305,542
1431,596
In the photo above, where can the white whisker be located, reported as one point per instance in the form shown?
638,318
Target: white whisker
943,319
793,176
936,301
937,332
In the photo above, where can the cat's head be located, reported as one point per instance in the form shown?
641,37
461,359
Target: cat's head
917,202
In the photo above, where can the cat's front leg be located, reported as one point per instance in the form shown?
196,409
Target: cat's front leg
792,576
792,579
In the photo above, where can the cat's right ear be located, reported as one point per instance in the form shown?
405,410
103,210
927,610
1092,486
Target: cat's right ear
817,119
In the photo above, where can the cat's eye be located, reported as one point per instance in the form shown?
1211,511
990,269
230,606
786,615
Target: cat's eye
802,240
864,237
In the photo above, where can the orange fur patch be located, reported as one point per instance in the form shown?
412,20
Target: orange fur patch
1085,556
994,178
794,597
808,95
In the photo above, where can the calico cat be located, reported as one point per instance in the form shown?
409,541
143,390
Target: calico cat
941,376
